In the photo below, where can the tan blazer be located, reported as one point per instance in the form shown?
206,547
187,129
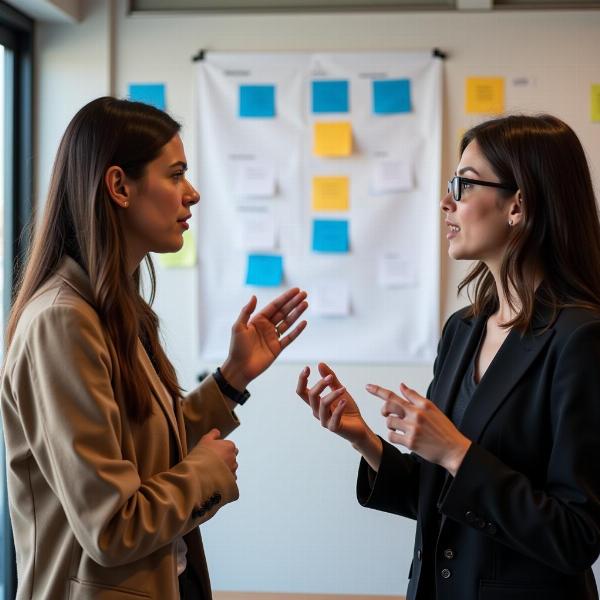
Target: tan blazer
96,501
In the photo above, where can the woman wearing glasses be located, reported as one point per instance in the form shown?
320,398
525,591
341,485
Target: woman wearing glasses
502,475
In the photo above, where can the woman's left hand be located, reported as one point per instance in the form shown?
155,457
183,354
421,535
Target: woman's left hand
256,342
419,425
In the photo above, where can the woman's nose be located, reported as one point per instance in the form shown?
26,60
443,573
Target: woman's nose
192,196
447,203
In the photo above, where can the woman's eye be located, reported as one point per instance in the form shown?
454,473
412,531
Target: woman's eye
177,175
466,186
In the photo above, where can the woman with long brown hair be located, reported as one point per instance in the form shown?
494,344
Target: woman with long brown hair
110,467
502,475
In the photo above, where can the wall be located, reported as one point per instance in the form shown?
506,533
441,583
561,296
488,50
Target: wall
297,527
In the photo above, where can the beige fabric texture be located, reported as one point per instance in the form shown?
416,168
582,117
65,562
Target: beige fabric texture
97,501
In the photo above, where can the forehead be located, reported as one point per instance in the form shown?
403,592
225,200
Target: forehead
473,160
172,151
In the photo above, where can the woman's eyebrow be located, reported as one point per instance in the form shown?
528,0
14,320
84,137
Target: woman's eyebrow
465,169
179,163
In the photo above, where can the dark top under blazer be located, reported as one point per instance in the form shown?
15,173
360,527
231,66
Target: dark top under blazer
521,519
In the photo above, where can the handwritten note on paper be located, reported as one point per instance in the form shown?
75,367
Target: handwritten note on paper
184,258
391,176
265,270
258,230
254,179
329,97
330,235
257,101
330,193
395,270
332,139
330,299
595,103
391,96
148,93
484,95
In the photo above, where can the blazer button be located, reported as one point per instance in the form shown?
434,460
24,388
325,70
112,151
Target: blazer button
446,573
449,553
419,554
480,523
492,529
470,516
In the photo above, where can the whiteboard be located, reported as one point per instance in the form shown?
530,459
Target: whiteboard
388,281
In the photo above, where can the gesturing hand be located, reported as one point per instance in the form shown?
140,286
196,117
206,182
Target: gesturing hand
336,410
224,449
256,342
419,425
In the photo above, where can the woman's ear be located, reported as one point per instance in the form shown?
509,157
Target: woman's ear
119,189
515,214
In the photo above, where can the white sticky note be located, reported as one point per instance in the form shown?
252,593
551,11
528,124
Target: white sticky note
391,176
395,269
257,230
330,299
254,178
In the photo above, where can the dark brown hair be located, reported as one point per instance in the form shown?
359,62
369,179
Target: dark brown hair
80,220
559,234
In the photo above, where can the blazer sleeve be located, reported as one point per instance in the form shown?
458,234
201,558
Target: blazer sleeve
62,386
394,488
558,523
204,409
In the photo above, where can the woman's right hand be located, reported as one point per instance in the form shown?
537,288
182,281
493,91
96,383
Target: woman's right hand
336,410
224,449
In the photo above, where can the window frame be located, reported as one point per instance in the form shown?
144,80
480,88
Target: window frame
16,34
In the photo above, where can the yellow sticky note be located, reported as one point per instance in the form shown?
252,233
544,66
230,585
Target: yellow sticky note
186,257
333,139
484,95
330,193
595,102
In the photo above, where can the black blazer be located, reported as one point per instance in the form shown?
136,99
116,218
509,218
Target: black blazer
521,519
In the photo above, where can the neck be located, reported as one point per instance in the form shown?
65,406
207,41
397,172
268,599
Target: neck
505,311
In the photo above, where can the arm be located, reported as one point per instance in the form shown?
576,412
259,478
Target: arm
558,524
387,478
206,408
74,427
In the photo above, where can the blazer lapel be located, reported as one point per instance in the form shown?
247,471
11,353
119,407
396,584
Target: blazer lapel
514,357
461,351
160,393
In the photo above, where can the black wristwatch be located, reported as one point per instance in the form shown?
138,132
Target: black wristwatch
227,389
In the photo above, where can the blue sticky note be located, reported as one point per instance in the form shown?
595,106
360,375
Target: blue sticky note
391,96
257,100
264,270
148,93
330,96
330,235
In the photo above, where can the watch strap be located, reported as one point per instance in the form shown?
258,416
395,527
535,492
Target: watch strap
229,391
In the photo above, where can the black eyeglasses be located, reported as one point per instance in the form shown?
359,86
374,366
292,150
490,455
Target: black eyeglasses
455,186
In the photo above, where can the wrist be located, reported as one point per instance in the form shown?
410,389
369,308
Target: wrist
456,457
370,447
234,376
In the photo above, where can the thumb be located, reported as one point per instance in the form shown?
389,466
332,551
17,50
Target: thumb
410,394
213,434
247,311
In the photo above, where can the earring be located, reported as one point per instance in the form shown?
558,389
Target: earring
510,223
125,204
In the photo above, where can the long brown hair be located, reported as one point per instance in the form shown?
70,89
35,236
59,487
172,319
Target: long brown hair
80,220
560,230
